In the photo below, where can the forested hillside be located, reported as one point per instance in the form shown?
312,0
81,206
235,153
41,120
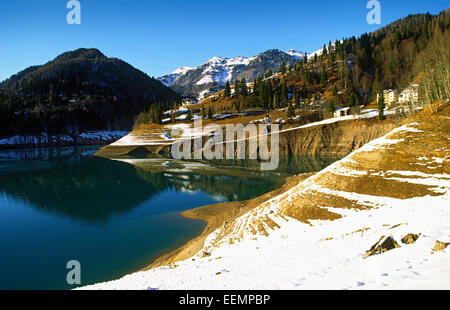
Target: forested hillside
352,71
78,90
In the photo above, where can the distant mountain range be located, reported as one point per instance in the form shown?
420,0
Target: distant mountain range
78,91
212,75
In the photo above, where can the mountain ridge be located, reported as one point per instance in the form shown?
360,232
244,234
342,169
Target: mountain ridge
78,90
212,75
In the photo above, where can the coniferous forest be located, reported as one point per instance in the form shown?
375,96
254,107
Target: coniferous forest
352,71
79,90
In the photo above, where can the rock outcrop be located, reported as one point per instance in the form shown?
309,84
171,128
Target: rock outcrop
440,246
383,245
410,238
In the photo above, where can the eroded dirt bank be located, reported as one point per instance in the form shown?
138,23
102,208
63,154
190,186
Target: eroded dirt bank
334,139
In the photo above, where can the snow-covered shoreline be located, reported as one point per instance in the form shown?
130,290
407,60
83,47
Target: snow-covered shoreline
266,248
43,139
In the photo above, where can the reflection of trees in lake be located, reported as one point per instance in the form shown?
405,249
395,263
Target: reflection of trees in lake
91,190
290,165
232,179
222,187
69,183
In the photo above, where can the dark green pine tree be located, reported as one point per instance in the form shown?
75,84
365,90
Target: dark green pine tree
237,88
351,100
262,93
283,68
381,106
291,111
243,88
377,85
275,103
335,90
331,107
305,91
323,76
227,91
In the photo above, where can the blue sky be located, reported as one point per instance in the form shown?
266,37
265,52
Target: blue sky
159,36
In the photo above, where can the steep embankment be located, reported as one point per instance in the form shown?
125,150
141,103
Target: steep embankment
379,218
332,137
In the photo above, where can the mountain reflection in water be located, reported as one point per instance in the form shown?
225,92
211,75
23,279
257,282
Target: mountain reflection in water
71,182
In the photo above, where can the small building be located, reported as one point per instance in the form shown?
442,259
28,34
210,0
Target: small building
390,96
342,112
409,95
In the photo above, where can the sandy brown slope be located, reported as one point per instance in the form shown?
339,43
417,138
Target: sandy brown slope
403,166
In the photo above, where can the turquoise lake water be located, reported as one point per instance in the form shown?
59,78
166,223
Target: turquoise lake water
113,216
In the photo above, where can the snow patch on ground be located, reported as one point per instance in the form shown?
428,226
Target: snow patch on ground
43,138
325,254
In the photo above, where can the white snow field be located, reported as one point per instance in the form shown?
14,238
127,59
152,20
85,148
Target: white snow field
325,254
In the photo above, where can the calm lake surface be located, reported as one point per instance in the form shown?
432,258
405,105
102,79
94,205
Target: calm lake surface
113,216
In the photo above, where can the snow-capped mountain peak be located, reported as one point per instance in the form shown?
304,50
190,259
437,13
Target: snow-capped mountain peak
212,75
169,79
182,70
296,53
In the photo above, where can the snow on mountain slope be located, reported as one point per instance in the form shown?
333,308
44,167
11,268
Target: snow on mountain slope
319,52
169,79
220,70
182,70
213,74
297,54
317,234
